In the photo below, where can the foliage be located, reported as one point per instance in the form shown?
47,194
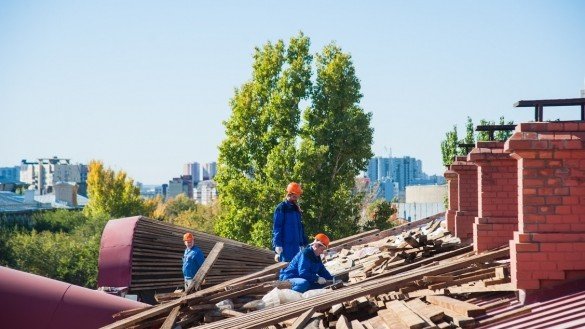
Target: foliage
449,148
110,193
379,213
58,220
60,256
262,150
498,135
469,132
186,212
257,156
336,145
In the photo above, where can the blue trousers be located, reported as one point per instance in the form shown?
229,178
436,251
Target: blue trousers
301,285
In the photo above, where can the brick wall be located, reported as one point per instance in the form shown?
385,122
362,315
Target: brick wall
467,190
453,194
549,245
497,213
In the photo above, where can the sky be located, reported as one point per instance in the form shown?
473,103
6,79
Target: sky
144,86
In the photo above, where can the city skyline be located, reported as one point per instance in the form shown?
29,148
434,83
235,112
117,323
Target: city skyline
144,86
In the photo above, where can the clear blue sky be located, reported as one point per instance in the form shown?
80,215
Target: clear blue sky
144,85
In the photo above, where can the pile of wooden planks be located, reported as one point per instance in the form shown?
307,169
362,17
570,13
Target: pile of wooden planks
158,250
419,277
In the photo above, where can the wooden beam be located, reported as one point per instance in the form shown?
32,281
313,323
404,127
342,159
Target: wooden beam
302,320
461,307
409,318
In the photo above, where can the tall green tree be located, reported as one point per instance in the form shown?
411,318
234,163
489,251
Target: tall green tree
111,193
266,146
336,145
449,148
257,157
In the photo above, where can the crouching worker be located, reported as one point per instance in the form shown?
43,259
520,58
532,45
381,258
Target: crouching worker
306,270
193,258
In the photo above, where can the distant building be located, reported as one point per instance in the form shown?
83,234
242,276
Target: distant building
193,169
206,192
43,174
10,173
180,185
209,171
392,175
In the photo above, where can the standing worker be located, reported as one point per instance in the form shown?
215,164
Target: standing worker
192,259
288,232
306,271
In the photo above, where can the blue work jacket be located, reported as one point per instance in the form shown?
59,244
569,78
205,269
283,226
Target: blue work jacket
192,260
288,231
306,265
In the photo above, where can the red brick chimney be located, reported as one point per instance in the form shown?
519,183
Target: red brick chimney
452,190
467,189
497,213
549,246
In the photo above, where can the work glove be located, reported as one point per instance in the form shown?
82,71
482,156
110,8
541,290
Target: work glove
278,250
321,280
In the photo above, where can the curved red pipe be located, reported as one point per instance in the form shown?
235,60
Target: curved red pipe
32,301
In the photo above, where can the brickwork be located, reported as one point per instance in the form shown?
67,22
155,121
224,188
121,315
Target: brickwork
453,194
550,242
467,190
497,213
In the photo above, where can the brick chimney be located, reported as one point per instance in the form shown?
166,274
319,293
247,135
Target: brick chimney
497,213
452,190
467,189
549,246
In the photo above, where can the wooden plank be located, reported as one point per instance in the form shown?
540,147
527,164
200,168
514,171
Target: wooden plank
376,323
461,307
205,267
302,320
430,311
406,315
389,319
355,324
163,308
342,323
460,320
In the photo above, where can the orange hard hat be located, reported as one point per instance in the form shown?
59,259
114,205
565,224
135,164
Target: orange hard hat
294,188
323,239
188,237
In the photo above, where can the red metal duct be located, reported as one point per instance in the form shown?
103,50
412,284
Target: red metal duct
32,301
115,259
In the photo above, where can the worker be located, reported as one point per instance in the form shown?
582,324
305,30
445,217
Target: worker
306,270
288,232
192,259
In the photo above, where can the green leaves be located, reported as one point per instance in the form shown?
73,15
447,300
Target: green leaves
111,194
267,145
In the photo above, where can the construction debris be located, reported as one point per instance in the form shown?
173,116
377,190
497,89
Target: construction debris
422,277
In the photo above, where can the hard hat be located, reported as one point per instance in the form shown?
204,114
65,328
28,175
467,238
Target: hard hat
294,188
323,239
188,237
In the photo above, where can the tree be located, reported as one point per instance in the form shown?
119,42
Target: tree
265,146
336,145
257,156
449,148
379,213
111,194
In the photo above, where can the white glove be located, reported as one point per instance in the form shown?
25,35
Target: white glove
321,280
278,250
